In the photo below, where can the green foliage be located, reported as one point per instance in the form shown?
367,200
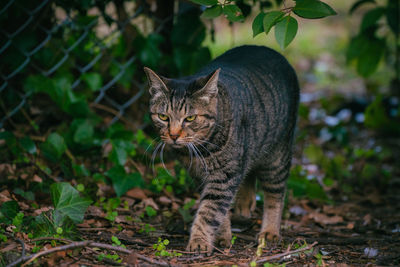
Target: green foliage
377,118
161,249
185,211
367,48
212,12
122,181
68,203
285,26
301,186
285,31
110,207
117,242
54,147
150,211
312,9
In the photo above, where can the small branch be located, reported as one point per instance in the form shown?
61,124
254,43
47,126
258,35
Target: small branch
51,238
86,243
110,110
280,255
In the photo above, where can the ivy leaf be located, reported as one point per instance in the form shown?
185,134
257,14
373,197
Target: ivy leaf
93,80
120,151
122,181
359,3
285,31
371,17
212,12
205,2
257,25
233,13
28,145
54,146
270,19
84,132
67,201
312,9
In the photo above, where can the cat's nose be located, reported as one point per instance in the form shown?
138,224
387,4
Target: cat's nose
174,136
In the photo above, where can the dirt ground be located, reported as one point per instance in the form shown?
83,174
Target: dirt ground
363,231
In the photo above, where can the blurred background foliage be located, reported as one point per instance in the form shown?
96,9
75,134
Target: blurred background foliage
73,98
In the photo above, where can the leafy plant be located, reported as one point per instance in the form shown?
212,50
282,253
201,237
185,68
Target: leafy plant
285,24
161,249
367,48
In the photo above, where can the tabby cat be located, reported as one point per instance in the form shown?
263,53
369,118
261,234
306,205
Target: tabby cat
231,123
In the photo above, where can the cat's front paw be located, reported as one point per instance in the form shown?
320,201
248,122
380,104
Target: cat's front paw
200,246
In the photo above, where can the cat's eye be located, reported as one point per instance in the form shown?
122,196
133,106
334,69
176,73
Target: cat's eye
163,117
190,118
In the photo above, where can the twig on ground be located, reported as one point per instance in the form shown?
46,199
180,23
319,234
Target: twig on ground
51,238
18,241
86,243
280,255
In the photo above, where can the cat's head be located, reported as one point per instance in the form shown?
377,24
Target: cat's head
184,110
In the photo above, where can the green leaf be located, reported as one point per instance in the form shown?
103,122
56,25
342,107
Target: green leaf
122,181
205,2
150,211
54,146
359,3
371,17
257,25
285,31
68,202
212,12
270,19
84,132
357,47
93,80
233,13
369,60
392,16
312,9
9,210
120,151
28,145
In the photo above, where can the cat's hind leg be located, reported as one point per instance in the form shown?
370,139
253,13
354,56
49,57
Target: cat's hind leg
273,183
245,201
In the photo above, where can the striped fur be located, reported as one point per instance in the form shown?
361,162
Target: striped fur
245,103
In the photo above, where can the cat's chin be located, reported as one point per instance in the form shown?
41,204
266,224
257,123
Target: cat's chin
177,146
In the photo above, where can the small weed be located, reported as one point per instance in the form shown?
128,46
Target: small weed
117,242
150,211
161,249
233,239
114,257
147,228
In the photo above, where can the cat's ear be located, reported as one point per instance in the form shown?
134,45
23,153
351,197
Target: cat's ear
156,84
210,89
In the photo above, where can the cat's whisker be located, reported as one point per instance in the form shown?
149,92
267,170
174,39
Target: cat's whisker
205,141
200,144
201,157
162,158
191,156
148,147
153,157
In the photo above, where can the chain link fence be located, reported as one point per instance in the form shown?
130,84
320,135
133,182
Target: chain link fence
46,39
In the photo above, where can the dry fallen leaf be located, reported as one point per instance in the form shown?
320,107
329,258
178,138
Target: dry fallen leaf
136,193
164,200
325,219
